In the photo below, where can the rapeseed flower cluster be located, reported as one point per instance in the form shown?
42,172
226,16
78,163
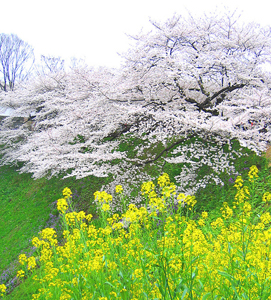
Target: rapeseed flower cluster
119,189
147,187
253,173
62,205
226,211
188,200
103,200
158,255
3,290
163,180
168,188
267,197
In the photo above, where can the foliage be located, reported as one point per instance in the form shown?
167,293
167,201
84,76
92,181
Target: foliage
158,251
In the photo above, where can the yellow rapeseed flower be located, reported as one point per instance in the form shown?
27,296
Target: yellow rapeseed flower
67,193
226,211
119,189
181,197
70,218
102,197
35,296
138,273
81,216
36,242
267,197
89,217
253,173
22,259
88,251
247,208
201,222
114,294
31,263
48,233
190,200
105,207
62,205
65,296
163,180
3,289
147,187
204,215
20,274
239,182
169,190
265,218
217,223
117,226
242,194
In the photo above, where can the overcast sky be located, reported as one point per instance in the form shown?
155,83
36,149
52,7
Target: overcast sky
95,29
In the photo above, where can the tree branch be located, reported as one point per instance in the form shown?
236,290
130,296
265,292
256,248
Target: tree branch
222,92
166,149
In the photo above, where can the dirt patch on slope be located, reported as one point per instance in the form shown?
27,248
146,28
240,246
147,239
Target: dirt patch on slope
268,155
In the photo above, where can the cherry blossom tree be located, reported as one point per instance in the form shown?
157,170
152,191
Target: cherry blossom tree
50,64
186,80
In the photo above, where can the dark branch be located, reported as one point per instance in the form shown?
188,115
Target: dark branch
166,150
222,92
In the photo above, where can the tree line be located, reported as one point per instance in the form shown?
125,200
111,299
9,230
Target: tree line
17,62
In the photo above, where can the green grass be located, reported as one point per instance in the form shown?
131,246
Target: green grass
28,205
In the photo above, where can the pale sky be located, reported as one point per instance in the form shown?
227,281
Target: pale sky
95,29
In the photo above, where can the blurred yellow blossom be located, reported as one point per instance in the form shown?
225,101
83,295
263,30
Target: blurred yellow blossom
267,197
105,207
204,215
119,189
89,217
167,191
226,211
239,182
20,274
147,187
163,180
265,218
67,193
253,173
22,259
102,197
62,205
3,289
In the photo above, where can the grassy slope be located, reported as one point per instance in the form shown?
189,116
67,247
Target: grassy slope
27,205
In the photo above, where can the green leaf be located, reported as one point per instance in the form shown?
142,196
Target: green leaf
184,293
231,279
120,274
160,289
206,296
110,284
